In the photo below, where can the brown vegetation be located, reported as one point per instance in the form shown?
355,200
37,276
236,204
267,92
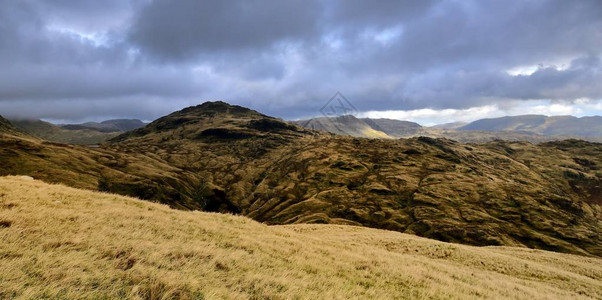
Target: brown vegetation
65,243
218,157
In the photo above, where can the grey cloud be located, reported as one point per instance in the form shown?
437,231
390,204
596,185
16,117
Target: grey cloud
175,30
286,58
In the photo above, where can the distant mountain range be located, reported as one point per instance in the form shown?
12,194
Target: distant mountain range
538,124
115,125
82,134
533,128
350,125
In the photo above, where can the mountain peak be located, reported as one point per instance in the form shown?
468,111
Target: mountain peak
212,118
211,108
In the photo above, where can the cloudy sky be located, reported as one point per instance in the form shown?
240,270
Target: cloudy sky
427,61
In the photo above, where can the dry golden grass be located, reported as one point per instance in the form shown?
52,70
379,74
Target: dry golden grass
65,243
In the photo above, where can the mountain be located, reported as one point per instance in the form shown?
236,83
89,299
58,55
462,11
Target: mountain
539,124
452,125
394,128
363,127
431,187
226,158
115,125
60,242
465,133
346,125
54,133
79,134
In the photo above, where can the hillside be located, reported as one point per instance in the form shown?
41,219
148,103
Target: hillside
452,125
477,194
461,132
394,128
139,175
225,123
345,125
220,157
54,133
538,124
60,242
114,125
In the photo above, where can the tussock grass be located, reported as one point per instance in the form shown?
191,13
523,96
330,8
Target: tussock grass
67,243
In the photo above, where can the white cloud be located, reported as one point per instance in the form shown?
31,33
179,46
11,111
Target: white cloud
528,70
430,117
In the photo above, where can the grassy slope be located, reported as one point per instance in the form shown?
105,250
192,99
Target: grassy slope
83,167
60,242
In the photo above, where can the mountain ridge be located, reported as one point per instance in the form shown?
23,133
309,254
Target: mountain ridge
540,124
223,158
282,177
58,134
112,125
467,133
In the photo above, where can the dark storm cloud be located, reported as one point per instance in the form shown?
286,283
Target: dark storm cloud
186,28
144,58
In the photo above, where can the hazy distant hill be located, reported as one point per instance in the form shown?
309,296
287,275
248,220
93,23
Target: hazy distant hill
538,124
394,128
115,125
54,133
452,125
363,127
80,134
388,128
346,125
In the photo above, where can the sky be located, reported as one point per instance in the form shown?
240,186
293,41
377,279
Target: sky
427,61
